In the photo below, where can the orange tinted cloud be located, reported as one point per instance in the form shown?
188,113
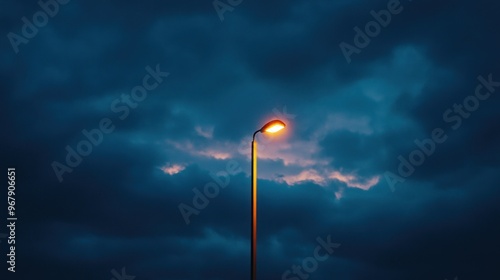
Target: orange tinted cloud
172,169
353,181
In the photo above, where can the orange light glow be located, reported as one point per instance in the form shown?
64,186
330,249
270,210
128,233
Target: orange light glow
275,128
272,126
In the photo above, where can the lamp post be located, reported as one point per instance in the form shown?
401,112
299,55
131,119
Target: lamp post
270,127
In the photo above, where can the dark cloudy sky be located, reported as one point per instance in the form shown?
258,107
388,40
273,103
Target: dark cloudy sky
391,147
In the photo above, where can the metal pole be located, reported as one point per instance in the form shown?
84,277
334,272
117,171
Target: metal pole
253,242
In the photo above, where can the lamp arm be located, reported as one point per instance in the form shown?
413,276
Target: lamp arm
255,133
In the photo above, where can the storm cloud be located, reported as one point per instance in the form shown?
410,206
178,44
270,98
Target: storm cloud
99,203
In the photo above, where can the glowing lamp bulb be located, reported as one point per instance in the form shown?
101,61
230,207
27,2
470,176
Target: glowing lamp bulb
273,126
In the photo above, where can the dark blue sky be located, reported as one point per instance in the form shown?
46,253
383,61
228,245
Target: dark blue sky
121,116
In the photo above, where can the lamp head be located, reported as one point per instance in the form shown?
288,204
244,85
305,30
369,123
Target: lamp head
273,126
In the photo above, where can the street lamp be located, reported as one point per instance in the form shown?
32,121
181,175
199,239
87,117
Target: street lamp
270,127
